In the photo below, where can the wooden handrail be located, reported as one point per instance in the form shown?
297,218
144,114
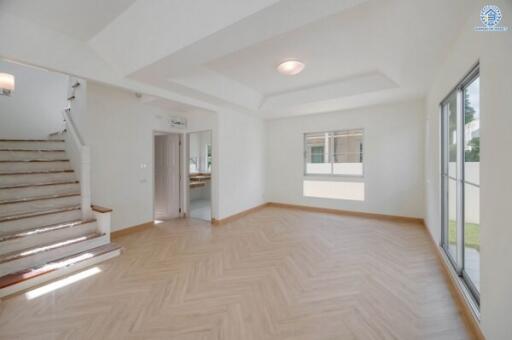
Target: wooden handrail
100,209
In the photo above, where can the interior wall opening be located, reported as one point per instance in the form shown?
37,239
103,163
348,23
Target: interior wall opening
200,175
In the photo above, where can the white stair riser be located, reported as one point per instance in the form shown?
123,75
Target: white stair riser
7,180
32,145
26,207
30,155
10,194
33,166
51,255
38,221
57,273
47,238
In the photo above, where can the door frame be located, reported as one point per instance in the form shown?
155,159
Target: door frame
187,171
181,162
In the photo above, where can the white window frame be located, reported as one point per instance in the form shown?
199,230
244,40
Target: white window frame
457,261
331,150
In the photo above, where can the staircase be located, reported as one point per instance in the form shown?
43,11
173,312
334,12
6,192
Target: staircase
42,230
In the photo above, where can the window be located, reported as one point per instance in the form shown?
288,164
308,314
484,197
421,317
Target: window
334,153
317,154
460,113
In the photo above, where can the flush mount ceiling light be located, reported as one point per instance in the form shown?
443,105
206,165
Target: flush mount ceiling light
290,67
6,84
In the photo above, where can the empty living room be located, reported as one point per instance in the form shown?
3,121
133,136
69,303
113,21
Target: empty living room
256,169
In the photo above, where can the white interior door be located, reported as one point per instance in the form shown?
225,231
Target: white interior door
167,176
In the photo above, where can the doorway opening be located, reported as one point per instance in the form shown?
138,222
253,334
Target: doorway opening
167,176
200,174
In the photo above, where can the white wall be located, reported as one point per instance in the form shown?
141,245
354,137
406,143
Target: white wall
393,158
494,51
119,128
240,159
34,110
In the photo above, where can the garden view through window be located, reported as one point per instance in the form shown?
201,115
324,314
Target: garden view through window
334,153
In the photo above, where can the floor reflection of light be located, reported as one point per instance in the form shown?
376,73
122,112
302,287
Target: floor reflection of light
158,221
34,293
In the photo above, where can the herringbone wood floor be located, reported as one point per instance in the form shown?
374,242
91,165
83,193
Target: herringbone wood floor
274,274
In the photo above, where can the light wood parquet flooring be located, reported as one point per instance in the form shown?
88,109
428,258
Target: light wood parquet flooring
274,274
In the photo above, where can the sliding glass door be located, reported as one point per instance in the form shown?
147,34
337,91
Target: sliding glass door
472,182
460,113
450,175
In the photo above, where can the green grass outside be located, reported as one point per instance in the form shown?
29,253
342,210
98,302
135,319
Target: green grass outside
471,236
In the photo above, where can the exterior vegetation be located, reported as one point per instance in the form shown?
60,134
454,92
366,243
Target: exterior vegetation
471,234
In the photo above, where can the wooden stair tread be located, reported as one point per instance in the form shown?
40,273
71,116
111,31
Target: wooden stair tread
38,198
18,254
38,213
20,186
43,229
29,273
38,172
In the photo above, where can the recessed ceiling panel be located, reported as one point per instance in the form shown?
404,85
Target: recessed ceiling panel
365,37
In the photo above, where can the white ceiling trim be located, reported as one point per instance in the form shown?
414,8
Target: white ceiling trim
394,95
219,86
340,88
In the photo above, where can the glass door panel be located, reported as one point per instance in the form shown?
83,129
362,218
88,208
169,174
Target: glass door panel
450,169
472,234
452,218
451,111
472,182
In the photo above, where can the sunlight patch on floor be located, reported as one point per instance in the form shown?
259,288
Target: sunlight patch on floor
34,293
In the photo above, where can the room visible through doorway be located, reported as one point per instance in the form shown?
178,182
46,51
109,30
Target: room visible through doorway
200,169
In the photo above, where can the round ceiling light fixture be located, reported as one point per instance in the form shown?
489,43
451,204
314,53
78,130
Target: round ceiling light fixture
290,67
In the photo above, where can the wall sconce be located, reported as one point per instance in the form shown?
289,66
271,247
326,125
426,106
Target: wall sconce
6,84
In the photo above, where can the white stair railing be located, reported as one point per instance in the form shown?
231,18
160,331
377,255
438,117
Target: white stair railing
79,156
80,159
